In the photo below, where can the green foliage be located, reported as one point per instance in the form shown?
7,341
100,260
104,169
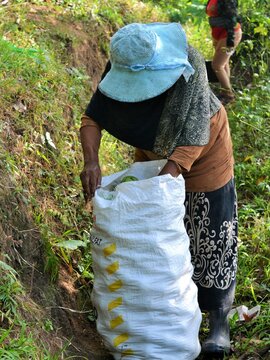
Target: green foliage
10,288
253,52
20,347
17,340
18,343
249,120
182,11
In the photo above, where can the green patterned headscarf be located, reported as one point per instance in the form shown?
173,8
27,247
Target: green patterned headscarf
185,120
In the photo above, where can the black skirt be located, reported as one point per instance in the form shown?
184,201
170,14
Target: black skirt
212,226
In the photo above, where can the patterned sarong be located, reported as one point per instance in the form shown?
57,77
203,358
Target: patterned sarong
212,226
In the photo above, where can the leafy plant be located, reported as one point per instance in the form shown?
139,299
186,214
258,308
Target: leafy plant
10,289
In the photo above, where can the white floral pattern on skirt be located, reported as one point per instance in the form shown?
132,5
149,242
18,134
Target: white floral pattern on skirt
213,242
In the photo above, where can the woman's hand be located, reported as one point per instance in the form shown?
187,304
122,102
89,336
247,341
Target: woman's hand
91,179
171,168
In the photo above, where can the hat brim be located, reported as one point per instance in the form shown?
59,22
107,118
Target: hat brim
133,86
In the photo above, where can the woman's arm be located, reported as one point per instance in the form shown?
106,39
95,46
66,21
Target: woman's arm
91,175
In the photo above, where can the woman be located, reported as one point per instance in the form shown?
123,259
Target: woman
226,35
155,96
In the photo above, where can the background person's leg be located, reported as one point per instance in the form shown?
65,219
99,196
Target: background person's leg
228,69
220,65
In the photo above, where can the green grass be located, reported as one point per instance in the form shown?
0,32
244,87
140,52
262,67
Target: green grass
251,130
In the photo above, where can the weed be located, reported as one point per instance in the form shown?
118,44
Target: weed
10,288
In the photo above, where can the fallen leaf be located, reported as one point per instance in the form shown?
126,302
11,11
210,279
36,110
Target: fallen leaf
245,314
260,180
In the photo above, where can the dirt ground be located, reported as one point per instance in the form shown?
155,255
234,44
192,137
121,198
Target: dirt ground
74,325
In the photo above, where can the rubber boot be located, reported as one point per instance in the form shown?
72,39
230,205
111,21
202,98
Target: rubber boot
218,342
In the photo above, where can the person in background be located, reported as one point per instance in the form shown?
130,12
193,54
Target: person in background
155,96
226,34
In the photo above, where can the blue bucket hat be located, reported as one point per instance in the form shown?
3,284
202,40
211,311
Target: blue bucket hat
146,60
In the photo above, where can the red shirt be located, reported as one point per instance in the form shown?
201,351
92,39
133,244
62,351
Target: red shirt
212,8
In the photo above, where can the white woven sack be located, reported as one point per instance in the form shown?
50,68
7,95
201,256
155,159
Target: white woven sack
143,292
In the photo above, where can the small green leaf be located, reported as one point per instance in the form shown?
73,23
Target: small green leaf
261,30
71,244
6,267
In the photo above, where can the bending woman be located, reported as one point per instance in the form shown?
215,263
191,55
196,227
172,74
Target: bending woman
155,96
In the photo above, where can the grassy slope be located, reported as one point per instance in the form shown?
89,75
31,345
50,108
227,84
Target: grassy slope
46,89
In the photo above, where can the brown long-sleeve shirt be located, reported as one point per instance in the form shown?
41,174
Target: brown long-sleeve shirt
204,168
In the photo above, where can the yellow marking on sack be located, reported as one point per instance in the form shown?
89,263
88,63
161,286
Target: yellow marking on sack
120,339
115,303
115,285
127,352
116,321
112,268
109,250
